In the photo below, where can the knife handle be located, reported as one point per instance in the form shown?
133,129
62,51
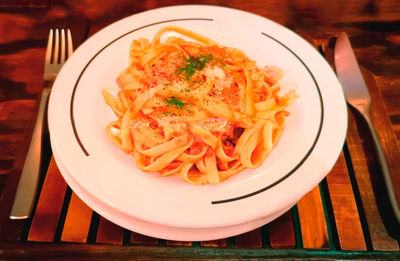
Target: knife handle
384,168
27,187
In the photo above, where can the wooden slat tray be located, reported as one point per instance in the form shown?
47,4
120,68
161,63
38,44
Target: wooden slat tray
344,217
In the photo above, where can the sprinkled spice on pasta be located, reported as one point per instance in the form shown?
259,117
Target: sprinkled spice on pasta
195,108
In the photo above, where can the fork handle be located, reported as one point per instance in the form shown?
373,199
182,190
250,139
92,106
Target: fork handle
384,167
28,184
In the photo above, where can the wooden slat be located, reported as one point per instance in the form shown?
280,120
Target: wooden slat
380,110
77,221
381,121
46,216
179,243
252,239
109,233
139,239
361,158
214,243
281,232
364,171
379,237
344,206
78,218
312,220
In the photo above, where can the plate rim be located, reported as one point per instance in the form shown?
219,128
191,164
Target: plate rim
247,13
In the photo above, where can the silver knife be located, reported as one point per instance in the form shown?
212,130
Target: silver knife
357,95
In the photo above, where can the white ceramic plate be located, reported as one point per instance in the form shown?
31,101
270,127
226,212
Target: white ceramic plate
160,231
107,177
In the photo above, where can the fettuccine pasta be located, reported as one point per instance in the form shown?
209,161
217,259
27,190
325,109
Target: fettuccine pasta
195,108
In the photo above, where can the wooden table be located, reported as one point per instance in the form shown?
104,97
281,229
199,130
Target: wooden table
347,216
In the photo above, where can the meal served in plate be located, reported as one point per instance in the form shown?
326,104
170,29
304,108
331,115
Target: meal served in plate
195,108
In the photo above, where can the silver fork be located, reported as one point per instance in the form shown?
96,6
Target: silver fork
58,51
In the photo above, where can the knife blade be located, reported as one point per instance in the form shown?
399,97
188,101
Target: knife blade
358,96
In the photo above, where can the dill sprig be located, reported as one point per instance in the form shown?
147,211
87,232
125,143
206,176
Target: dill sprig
172,101
193,64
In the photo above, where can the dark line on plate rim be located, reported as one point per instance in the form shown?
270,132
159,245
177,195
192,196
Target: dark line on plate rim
207,19
102,49
309,151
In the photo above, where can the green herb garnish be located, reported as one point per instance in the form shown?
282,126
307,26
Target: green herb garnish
172,101
220,60
193,64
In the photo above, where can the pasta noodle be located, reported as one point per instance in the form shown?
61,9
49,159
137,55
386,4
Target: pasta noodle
195,108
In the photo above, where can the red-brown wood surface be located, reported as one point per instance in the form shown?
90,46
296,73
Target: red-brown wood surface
109,233
139,239
347,219
390,89
214,243
48,210
77,221
312,220
281,232
366,172
178,243
345,211
250,239
355,200
381,118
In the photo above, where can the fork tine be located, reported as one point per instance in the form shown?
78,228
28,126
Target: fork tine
70,46
62,58
49,47
56,47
